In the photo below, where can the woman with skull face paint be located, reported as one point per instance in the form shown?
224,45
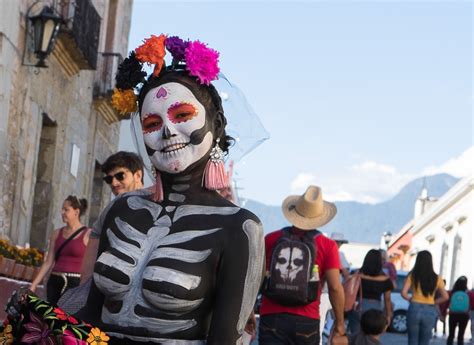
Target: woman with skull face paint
177,264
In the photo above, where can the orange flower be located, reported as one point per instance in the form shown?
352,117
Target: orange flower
152,51
97,337
124,101
6,337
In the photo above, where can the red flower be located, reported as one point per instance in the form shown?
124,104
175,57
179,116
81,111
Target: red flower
60,313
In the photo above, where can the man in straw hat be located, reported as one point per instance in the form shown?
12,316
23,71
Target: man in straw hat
299,324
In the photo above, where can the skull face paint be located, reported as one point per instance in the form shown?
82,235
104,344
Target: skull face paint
171,116
289,263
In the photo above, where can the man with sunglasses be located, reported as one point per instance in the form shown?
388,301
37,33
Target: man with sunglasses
123,172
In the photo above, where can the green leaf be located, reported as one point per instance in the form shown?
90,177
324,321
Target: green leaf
50,317
33,298
77,332
41,306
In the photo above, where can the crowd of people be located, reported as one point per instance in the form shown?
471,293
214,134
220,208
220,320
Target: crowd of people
177,263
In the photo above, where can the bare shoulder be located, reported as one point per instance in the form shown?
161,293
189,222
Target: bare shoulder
55,233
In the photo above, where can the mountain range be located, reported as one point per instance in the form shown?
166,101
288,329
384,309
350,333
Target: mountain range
360,222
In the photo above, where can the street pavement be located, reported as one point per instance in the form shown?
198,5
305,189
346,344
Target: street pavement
402,339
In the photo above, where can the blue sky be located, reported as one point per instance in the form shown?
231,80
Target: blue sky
358,97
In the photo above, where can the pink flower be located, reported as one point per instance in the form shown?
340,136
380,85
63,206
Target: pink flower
68,338
202,61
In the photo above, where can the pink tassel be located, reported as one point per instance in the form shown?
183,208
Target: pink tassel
215,176
158,188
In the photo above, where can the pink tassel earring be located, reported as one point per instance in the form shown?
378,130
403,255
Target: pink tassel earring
158,194
215,176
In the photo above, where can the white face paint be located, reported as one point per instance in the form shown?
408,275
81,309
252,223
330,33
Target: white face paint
289,263
170,114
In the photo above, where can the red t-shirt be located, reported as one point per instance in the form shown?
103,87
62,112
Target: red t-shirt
327,257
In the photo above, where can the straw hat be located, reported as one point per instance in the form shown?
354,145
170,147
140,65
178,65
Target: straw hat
308,211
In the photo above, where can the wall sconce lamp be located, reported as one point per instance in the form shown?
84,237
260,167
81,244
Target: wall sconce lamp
45,30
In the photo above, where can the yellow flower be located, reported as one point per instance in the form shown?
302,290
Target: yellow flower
97,337
124,101
6,336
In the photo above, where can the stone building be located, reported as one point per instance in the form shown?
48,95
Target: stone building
56,124
444,227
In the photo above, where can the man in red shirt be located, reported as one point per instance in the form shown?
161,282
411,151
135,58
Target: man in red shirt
299,324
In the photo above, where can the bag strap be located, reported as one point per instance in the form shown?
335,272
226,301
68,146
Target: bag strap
308,237
69,239
360,290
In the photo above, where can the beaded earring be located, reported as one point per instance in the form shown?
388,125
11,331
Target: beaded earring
215,177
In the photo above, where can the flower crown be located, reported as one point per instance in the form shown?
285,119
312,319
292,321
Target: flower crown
193,56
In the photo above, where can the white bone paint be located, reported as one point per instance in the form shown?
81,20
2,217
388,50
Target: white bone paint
187,210
164,274
254,232
137,203
191,256
170,303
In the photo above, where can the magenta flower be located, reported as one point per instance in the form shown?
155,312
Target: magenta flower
176,46
201,62
68,338
38,332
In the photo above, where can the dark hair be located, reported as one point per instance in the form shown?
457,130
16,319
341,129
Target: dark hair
123,159
206,94
423,275
373,322
460,284
372,265
76,203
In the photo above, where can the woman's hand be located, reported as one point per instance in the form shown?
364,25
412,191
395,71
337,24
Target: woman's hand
251,326
33,287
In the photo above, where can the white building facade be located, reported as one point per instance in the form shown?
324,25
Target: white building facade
446,229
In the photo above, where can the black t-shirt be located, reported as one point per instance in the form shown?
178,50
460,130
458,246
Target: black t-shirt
373,289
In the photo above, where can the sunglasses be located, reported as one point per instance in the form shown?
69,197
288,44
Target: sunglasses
119,176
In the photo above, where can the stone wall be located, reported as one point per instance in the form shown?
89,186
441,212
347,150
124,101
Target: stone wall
43,113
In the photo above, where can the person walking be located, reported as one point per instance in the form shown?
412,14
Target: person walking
424,283
298,258
345,266
375,285
373,324
389,268
123,173
471,302
67,246
459,308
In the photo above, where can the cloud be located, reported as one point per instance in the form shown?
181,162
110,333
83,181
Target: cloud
372,182
460,166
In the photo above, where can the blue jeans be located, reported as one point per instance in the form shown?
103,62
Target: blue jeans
353,317
288,329
421,319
